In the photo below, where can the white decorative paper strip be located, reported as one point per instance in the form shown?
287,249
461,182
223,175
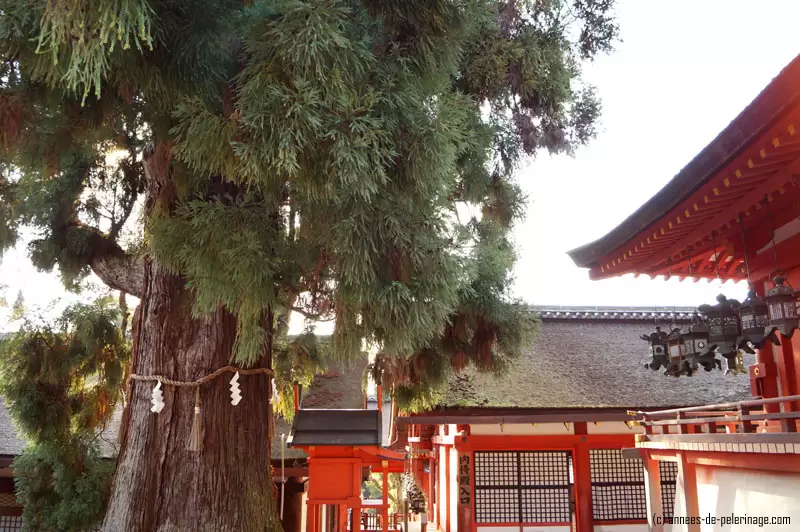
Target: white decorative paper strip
236,392
157,399
275,397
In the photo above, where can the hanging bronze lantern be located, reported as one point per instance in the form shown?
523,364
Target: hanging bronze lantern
695,338
675,345
658,349
754,319
697,349
675,354
723,324
782,306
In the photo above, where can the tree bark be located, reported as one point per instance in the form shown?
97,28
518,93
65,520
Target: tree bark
161,486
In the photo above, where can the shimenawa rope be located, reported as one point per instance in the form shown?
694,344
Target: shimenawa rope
195,436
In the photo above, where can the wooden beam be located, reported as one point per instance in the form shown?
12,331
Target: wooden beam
546,442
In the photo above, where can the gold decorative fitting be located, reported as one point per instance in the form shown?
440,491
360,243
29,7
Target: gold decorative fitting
738,173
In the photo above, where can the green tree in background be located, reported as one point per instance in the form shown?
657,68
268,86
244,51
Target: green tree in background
231,162
60,383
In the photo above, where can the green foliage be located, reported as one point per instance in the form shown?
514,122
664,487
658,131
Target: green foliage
18,308
309,156
297,360
60,383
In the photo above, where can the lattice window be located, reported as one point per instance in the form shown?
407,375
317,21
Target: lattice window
669,475
618,492
523,487
10,523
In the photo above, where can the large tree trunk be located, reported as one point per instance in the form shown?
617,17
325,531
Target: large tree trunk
161,486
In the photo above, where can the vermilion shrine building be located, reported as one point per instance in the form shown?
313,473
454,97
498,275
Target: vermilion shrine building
543,448
733,210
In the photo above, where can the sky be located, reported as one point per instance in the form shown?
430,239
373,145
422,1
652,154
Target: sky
684,70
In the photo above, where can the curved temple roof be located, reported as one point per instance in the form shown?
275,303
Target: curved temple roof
756,154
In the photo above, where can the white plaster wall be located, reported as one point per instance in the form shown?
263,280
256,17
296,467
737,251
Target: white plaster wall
522,429
622,528
723,492
613,427
303,512
441,490
453,490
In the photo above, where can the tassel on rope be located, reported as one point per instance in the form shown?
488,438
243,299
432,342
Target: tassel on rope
195,436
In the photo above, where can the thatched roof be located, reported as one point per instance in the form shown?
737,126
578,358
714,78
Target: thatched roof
587,362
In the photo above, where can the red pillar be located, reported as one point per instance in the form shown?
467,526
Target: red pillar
786,369
385,493
688,473
432,515
652,489
447,477
769,383
465,490
795,343
312,518
380,398
583,483
296,390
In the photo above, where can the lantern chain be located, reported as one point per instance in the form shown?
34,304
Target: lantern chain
772,233
744,248
716,256
797,192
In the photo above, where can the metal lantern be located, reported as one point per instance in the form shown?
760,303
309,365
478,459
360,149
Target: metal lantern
697,350
676,365
754,319
658,349
723,324
782,305
675,345
695,338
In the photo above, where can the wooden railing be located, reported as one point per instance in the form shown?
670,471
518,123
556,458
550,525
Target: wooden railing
373,522
740,417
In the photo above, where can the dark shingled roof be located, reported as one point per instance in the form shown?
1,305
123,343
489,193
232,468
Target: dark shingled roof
338,388
591,363
336,427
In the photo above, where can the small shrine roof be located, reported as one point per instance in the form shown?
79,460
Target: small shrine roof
320,427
